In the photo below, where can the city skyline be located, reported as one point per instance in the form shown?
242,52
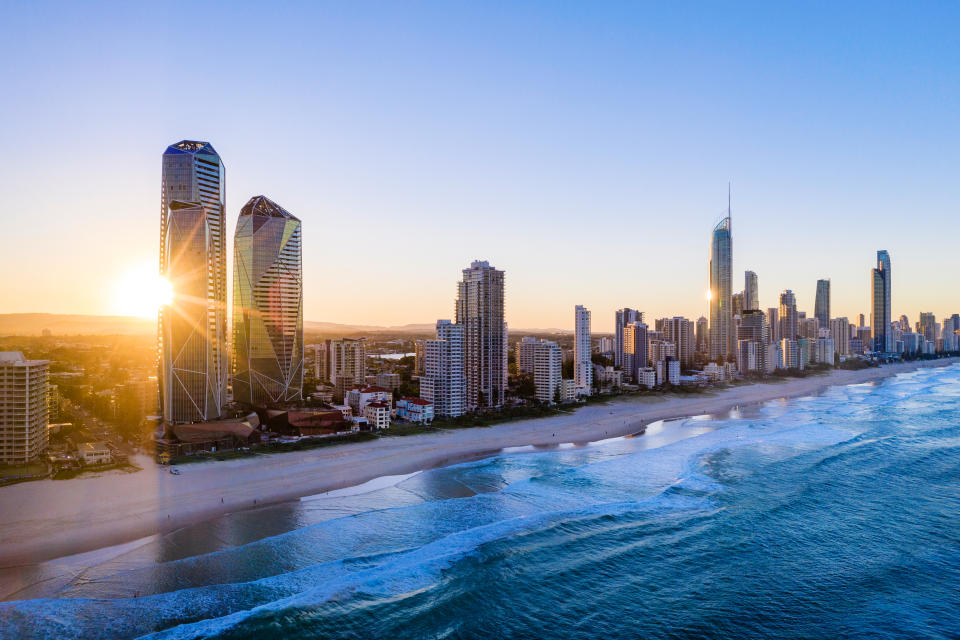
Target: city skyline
524,158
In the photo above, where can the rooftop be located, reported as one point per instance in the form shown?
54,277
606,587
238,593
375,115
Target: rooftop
264,206
191,146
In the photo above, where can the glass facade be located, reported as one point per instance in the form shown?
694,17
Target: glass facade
267,305
722,337
193,388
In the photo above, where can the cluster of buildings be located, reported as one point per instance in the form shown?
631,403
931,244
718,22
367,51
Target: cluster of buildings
209,374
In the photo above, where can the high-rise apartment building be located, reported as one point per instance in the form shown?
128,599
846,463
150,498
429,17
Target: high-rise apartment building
23,407
821,307
679,331
623,318
480,309
321,361
751,295
635,356
443,382
883,339
267,305
703,335
193,179
773,321
348,361
523,352
582,351
547,370
840,332
722,336
928,326
789,318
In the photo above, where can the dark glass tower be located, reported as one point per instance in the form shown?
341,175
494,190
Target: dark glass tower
880,294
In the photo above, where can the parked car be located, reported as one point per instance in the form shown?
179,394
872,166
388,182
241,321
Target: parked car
175,471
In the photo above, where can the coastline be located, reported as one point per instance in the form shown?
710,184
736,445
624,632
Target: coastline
50,519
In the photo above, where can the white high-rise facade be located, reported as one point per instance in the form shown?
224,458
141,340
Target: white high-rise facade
582,360
192,330
443,382
480,309
547,370
23,407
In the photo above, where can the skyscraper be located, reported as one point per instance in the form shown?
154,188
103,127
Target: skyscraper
622,318
635,347
23,407
881,304
789,328
190,380
722,336
443,382
679,331
821,307
193,179
480,309
751,295
773,321
703,335
582,360
267,305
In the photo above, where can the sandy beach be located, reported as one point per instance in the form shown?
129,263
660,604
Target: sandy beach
50,519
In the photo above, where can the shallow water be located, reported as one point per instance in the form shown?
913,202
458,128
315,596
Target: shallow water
829,516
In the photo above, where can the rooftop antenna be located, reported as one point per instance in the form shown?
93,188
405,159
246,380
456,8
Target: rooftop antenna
729,221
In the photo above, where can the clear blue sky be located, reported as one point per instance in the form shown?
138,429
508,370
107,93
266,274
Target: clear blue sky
583,147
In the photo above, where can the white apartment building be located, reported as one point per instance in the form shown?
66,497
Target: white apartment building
647,377
23,407
377,415
668,371
547,370
523,351
824,351
443,382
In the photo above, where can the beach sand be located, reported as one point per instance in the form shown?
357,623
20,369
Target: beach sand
50,519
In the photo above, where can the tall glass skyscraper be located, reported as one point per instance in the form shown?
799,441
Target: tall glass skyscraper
480,310
722,336
821,306
267,305
193,380
880,297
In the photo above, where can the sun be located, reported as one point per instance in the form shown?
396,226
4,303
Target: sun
141,291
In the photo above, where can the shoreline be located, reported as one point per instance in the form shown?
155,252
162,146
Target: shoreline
45,520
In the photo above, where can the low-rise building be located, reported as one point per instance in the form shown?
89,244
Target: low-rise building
360,398
415,410
668,371
377,414
93,453
647,377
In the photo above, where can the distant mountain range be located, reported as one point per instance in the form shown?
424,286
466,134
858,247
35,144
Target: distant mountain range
33,324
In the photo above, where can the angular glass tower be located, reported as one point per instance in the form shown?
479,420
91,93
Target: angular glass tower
267,305
189,380
821,306
722,336
880,297
192,177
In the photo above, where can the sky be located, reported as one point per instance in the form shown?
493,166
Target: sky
585,148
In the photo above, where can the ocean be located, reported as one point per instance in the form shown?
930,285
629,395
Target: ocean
832,516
